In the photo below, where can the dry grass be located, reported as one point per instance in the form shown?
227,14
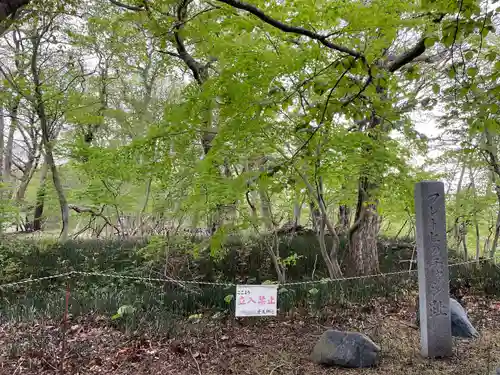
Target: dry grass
247,347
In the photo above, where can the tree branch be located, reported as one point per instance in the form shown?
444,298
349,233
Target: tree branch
416,51
126,6
367,83
18,165
170,54
10,80
289,29
408,56
320,125
10,7
93,213
196,68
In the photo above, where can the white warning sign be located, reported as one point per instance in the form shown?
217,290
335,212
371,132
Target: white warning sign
256,300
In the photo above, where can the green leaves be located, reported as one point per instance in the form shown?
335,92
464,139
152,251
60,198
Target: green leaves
449,31
268,98
472,71
123,311
492,56
469,55
429,42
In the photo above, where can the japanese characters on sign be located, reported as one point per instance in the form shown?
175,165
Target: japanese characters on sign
256,300
433,279
436,307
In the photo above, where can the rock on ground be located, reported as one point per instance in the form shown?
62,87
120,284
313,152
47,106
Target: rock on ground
345,349
460,323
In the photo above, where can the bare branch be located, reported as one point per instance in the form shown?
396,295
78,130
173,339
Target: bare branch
18,165
214,7
171,54
408,56
362,89
414,52
323,39
198,70
320,125
126,6
93,213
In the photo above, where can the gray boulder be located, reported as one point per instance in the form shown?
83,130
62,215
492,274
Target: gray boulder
345,349
460,323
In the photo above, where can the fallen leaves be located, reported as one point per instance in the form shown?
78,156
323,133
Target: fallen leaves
224,347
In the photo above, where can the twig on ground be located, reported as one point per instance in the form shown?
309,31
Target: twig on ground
195,361
21,360
49,364
277,367
64,329
413,326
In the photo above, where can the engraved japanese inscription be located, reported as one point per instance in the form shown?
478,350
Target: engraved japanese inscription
432,257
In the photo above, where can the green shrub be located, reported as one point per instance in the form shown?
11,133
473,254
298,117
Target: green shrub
240,261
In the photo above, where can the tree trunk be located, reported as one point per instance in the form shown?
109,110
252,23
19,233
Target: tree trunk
363,250
315,216
63,204
139,222
456,225
463,239
474,215
331,259
494,245
250,197
363,234
40,198
230,211
29,171
478,237
47,141
297,208
2,148
265,208
491,150
7,162
275,258
344,218
200,74
497,236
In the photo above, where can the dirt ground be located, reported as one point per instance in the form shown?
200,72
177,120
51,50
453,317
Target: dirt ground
246,347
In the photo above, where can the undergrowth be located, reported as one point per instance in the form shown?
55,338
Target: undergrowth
156,306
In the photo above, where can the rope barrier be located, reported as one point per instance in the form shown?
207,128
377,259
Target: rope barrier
71,274
377,275
152,279
30,281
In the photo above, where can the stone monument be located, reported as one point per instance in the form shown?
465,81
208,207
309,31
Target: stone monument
433,274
